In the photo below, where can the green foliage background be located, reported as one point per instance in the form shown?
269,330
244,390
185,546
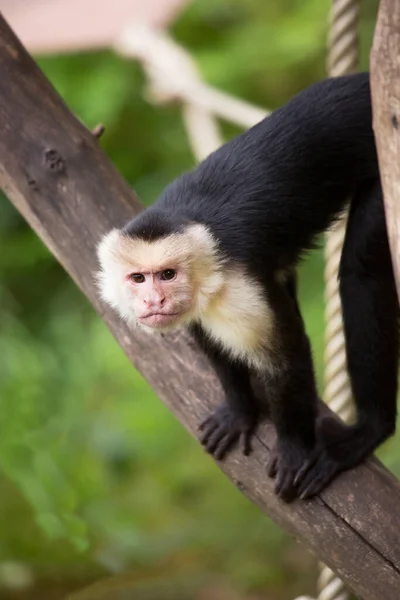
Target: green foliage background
97,477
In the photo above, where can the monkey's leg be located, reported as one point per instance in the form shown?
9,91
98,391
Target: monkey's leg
292,392
370,314
237,418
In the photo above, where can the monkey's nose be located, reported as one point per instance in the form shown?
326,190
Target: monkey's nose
152,303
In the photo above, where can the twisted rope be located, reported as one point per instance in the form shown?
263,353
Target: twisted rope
173,76
342,60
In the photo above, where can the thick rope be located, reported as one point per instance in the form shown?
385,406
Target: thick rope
174,77
342,60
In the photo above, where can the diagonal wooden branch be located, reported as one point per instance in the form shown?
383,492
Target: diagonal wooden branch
385,84
55,173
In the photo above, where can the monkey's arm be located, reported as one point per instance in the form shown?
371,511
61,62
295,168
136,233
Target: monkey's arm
238,416
291,390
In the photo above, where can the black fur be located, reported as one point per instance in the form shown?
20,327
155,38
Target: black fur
266,195
286,178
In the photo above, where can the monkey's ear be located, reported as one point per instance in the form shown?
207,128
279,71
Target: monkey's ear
110,277
109,247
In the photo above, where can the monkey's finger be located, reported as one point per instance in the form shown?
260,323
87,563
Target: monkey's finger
284,484
208,431
308,480
309,464
206,422
317,479
272,466
245,441
313,481
313,487
225,445
214,439
279,482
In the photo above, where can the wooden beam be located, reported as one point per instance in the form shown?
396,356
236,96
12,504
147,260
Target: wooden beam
55,173
385,86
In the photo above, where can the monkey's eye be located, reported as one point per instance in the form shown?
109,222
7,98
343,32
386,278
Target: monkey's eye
137,277
168,274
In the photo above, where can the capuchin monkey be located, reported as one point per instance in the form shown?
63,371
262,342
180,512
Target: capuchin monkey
218,252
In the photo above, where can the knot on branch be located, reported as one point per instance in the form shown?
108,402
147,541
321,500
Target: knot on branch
54,161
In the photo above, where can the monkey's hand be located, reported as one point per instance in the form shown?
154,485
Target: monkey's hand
287,459
225,427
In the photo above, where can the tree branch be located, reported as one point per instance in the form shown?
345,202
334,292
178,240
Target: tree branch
55,173
385,85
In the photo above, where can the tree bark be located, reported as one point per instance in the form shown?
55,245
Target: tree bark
385,87
55,173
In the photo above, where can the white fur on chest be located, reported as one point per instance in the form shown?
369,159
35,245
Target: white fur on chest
240,319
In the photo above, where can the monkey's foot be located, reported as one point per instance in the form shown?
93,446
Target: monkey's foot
339,447
287,459
223,428
317,473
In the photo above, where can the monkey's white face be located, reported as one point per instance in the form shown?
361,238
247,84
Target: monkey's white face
162,284
162,298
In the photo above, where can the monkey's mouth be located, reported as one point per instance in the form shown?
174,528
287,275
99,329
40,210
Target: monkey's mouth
158,319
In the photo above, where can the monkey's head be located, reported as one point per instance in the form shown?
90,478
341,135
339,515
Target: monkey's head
159,279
